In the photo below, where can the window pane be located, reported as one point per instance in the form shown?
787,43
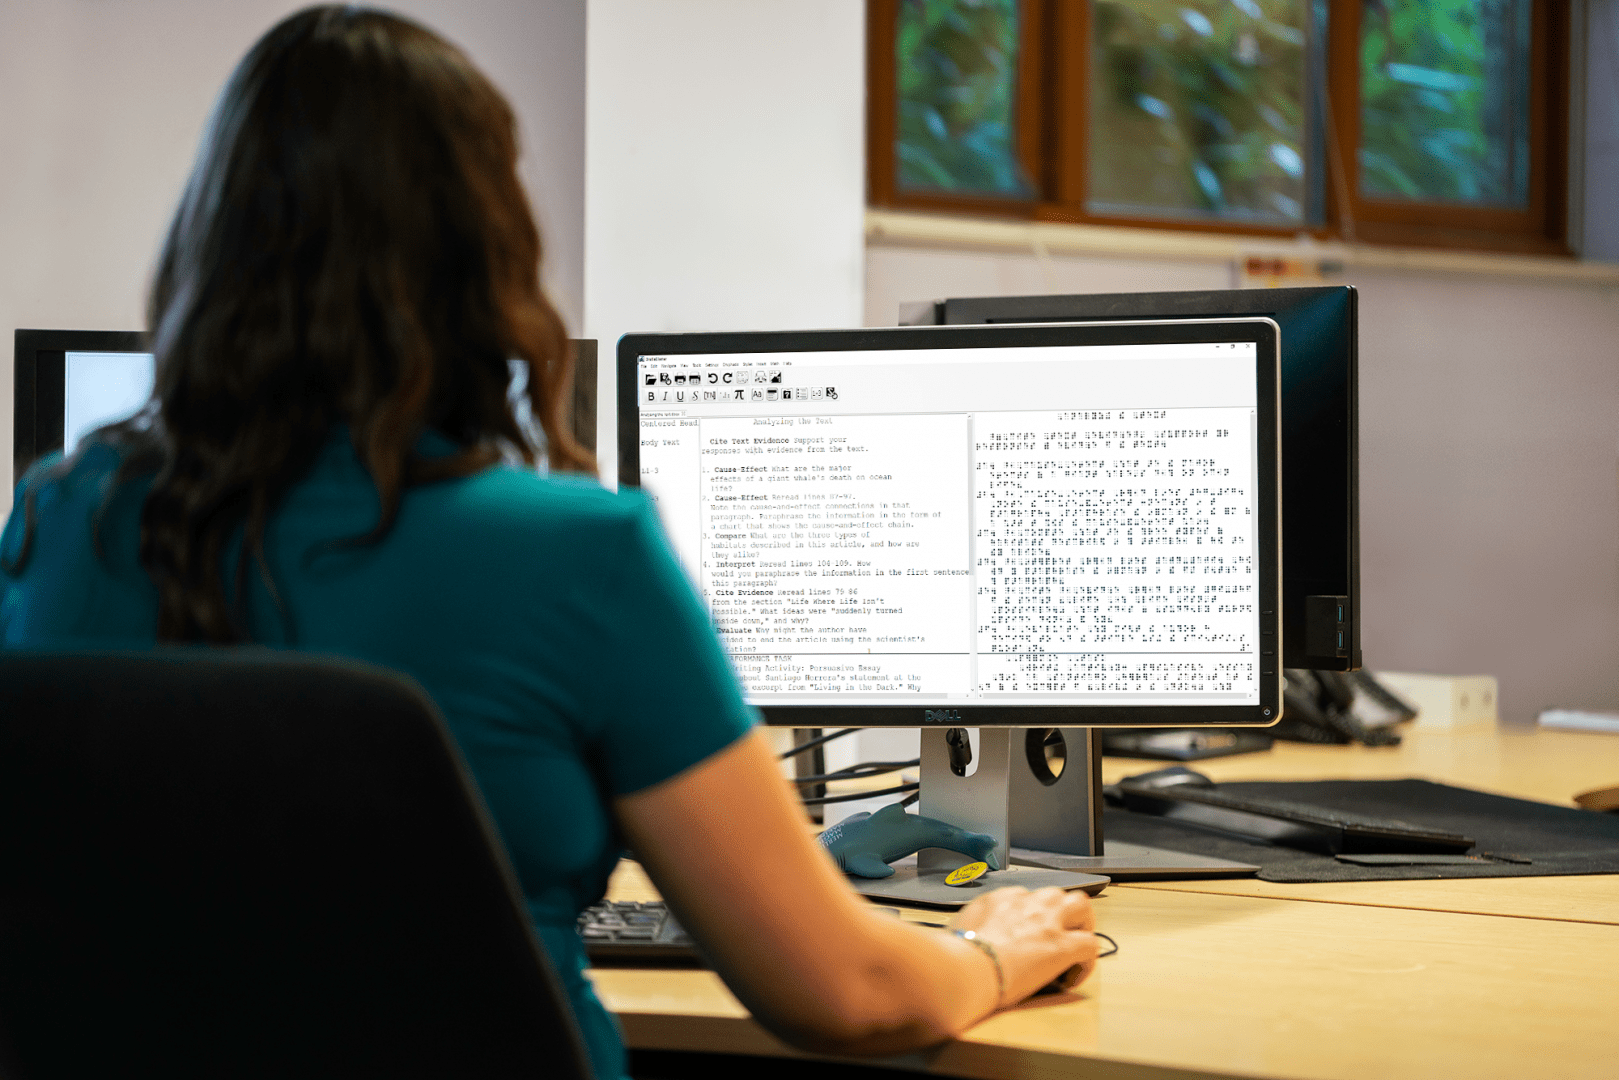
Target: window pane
1444,90
1198,110
957,71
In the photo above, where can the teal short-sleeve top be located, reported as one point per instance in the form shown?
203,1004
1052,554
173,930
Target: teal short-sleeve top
546,616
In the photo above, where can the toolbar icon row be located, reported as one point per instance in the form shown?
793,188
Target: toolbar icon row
770,393
712,378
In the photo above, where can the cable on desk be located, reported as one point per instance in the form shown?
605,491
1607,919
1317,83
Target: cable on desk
1110,941
818,741
859,771
861,795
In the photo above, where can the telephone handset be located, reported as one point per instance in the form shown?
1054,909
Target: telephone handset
1339,707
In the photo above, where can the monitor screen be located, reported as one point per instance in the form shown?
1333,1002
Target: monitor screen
99,388
979,525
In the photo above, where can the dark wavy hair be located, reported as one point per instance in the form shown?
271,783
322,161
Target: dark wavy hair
353,247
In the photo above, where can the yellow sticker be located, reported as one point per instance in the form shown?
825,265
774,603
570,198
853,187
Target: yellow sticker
963,875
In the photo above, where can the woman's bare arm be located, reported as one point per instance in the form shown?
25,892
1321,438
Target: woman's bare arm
728,847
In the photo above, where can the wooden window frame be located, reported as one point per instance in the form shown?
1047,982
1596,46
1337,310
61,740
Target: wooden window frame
1052,113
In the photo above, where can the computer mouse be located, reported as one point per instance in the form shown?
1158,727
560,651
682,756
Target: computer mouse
1174,776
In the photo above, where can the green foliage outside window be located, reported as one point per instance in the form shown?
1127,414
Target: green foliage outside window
1445,101
1203,109
1199,109
957,65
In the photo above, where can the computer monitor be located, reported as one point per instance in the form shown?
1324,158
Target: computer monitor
1320,461
70,382
1001,527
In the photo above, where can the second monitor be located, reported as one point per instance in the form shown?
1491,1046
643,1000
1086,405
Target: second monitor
1320,468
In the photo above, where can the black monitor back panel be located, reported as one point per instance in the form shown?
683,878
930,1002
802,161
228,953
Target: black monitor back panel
1320,456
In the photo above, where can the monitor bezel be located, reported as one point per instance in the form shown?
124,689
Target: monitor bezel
1263,332
39,385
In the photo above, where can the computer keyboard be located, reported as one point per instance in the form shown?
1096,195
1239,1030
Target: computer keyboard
1289,824
631,931
623,930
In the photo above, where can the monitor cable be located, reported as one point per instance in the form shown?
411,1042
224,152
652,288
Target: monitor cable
817,742
858,771
852,796
861,771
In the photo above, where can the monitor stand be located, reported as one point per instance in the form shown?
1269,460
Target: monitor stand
1041,817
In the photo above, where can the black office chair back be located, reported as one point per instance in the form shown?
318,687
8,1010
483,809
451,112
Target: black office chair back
246,864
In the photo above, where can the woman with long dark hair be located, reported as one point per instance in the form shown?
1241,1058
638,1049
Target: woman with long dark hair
331,461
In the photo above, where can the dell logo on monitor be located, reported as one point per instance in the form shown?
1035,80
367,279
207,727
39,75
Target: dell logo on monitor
941,716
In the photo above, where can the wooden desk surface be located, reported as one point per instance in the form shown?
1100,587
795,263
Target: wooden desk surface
1502,977
1211,985
1593,899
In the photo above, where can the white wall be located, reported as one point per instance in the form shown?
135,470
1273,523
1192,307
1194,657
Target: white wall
725,175
101,105
1489,438
1490,484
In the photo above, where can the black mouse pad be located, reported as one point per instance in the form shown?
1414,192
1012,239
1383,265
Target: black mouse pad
1515,837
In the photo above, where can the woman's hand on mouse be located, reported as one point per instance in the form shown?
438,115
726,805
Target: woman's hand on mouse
1037,936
